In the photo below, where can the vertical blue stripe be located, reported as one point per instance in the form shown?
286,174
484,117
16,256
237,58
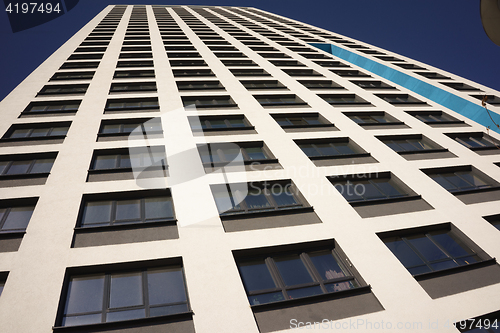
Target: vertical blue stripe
429,91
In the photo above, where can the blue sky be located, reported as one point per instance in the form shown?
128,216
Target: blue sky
447,34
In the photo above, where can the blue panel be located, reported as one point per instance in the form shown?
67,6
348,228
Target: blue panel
435,94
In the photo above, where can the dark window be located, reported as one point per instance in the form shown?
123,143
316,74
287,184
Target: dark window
239,63
187,62
214,123
122,159
476,141
396,99
432,75
434,117
72,65
300,120
372,118
282,276
208,101
343,99
15,214
300,72
278,100
249,72
135,48
349,73
180,48
214,154
491,99
199,85
260,197
135,55
121,211
369,187
183,55
137,63
320,84
372,85
72,76
286,63
132,104
409,66
192,72
325,148
423,252
461,179
412,143
459,86
315,56
494,220
274,55
262,84
133,86
126,126
230,55
25,164
52,107
124,295
388,58
85,56
132,74
63,89
91,49
35,131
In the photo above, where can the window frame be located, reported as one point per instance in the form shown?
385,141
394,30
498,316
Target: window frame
395,99
226,119
32,158
435,148
357,151
317,115
352,99
133,87
391,120
124,101
9,204
87,75
189,100
473,136
219,152
50,104
33,126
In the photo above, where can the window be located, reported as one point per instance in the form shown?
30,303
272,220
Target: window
32,164
208,101
343,99
409,66
48,107
263,85
36,131
435,118
180,48
249,72
119,295
491,99
85,56
459,86
187,62
274,55
320,84
215,154
461,179
199,85
409,143
229,55
183,55
63,89
72,76
91,49
3,279
370,187
372,118
133,209
124,127
432,75
135,55
477,141
301,120
261,197
136,63
104,160
329,148
135,48
133,86
192,72
235,63
300,72
132,104
388,58
396,99
279,100
218,123
372,85
494,220
315,56
286,63
15,214
349,73
133,74
278,277
429,251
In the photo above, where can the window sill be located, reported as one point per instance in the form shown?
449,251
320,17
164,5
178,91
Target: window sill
11,234
128,134
212,106
349,103
452,270
136,225
307,126
39,138
63,112
202,89
99,327
394,123
256,213
407,197
25,176
309,299
328,157
116,92
423,151
283,104
108,110
60,94
477,190
245,128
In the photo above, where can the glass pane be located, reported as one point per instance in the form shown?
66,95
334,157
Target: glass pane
403,252
266,298
298,121
237,123
18,218
326,149
380,119
230,154
18,167
256,199
419,270
125,315
369,191
256,276
443,182
427,248
128,128
157,208
468,260
450,243
292,270
125,161
2,212
351,192
327,266
443,265
85,294
309,150
472,178
334,287
82,320
59,131
283,122
218,124
111,129
128,210
97,212
152,126
470,142
166,286
125,290
3,165
282,195
42,166
37,132
105,162
344,148
304,292
223,201
388,188
255,153
419,144
312,120
20,133
55,108
167,310
457,181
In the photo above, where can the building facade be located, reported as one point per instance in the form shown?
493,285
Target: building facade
364,197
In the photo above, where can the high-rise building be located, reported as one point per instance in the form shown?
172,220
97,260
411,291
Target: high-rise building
318,182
